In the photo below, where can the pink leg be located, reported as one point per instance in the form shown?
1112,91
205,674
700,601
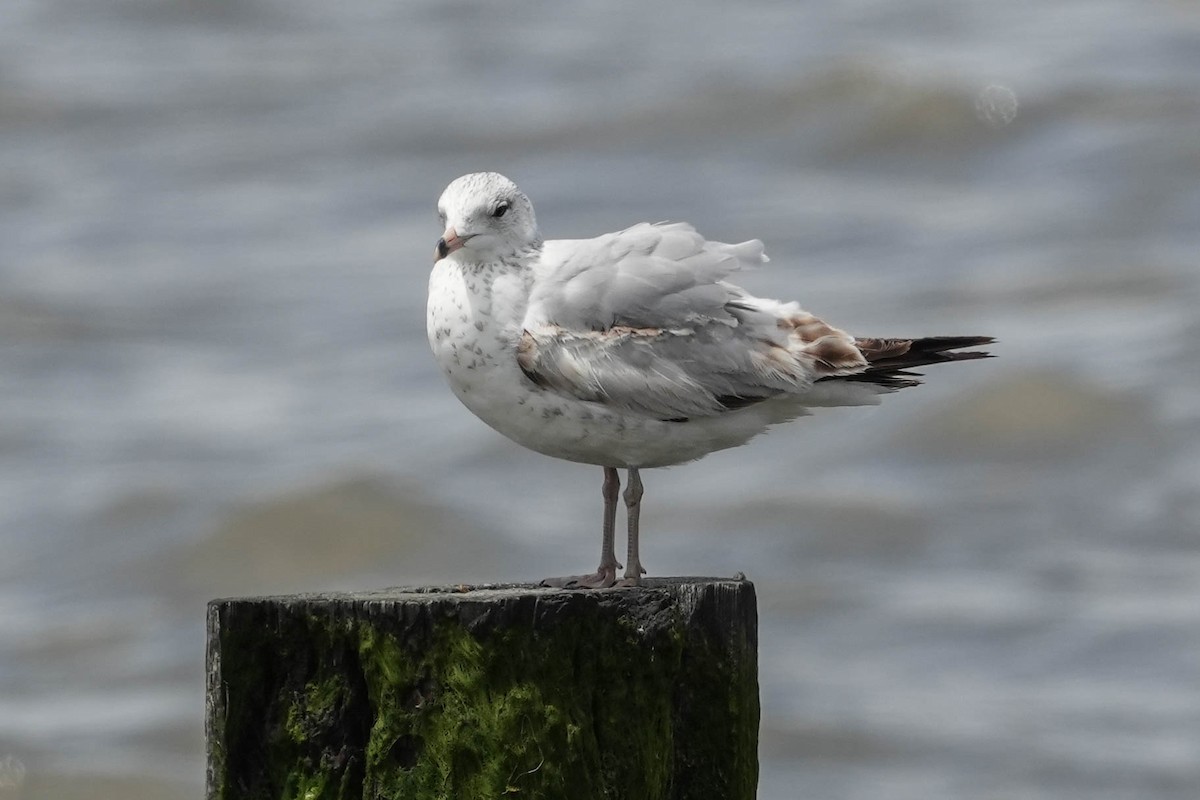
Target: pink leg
606,574
633,509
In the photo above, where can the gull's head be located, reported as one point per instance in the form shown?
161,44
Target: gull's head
487,218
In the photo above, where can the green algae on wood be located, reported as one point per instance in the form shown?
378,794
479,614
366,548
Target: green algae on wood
493,692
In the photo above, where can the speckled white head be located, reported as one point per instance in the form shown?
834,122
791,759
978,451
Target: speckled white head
487,219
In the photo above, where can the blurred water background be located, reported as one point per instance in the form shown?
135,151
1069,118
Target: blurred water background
216,223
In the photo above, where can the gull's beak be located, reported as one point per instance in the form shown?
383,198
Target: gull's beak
449,242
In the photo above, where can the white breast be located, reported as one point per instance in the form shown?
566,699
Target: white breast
473,324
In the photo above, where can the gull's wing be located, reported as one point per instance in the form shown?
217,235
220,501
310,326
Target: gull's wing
643,320
664,275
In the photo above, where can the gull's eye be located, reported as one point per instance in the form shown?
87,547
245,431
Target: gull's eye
442,216
501,209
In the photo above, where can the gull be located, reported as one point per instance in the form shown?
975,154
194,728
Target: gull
632,350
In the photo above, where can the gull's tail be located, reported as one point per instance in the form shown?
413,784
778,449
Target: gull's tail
889,360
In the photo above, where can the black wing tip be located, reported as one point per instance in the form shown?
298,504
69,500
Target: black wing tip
893,372
934,350
955,342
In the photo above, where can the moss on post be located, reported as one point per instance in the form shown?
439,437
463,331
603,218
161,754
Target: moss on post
514,691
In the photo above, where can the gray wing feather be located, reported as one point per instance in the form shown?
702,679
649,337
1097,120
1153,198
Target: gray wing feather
643,320
662,374
661,276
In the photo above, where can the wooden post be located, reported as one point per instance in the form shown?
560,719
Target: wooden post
649,693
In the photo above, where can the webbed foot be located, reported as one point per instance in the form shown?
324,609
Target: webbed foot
602,578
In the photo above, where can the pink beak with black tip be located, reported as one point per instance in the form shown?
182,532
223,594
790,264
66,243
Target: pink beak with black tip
449,242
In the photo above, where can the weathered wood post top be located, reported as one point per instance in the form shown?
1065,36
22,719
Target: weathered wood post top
647,693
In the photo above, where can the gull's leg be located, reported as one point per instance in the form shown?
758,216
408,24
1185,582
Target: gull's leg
606,574
608,551
633,508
